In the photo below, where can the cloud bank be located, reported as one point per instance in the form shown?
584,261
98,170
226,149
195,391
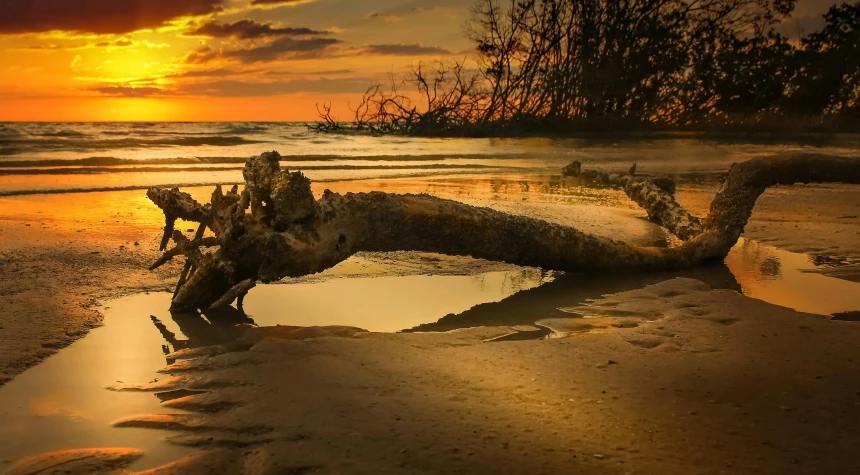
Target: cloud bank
248,29
400,49
97,16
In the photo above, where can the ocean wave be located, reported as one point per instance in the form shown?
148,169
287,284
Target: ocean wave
6,131
149,133
95,189
8,151
62,133
113,161
63,191
240,129
23,145
101,170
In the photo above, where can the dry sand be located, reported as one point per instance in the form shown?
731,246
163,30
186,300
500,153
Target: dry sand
705,382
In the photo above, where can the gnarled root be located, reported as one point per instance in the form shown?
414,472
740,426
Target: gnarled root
288,233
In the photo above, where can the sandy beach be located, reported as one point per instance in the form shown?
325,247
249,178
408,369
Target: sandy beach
429,237
673,377
715,385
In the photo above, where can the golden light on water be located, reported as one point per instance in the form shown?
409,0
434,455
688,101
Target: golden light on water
785,278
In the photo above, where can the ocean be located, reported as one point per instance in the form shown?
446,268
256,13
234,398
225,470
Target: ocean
46,157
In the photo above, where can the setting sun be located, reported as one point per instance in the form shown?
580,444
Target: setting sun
189,61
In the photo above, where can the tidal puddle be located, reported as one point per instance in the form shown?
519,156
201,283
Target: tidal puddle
62,403
784,278
383,304
379,304
754,269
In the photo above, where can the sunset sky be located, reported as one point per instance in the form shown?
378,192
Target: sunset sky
106,60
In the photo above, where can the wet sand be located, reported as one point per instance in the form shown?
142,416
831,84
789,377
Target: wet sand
707,382
716,384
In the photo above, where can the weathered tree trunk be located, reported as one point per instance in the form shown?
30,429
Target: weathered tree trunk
655,195
288,234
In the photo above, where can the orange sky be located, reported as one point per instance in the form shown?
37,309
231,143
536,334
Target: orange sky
219,60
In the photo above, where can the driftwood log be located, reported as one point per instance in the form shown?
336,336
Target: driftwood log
275,228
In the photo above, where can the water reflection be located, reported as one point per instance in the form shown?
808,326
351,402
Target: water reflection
416,303
568,290
62,403
212,327
789,279
771,268
444,303
384,303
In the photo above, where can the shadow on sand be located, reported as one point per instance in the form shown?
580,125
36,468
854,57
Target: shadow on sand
568,290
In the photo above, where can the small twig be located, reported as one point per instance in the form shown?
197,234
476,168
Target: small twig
185,248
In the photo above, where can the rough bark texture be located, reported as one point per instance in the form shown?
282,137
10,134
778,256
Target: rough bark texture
288,233
655,195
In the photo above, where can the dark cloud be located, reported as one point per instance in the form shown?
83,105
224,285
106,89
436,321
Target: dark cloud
208,73
334,72
262,89
277,2
53,47
405,50
120,43
396,15
96,16
202,55
384,16
284,48
249,29
128,91
196,74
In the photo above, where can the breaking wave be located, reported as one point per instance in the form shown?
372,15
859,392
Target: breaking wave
113,161
99,170
18,145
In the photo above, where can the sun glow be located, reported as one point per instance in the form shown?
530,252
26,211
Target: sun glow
262,62
135,109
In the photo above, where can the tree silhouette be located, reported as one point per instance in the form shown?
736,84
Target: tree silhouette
550,66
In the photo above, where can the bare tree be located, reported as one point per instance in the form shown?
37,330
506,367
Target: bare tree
551,65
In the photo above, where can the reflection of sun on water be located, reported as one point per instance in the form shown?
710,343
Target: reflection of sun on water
56,404
129,109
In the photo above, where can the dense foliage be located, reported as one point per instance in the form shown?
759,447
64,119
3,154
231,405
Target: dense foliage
562,65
